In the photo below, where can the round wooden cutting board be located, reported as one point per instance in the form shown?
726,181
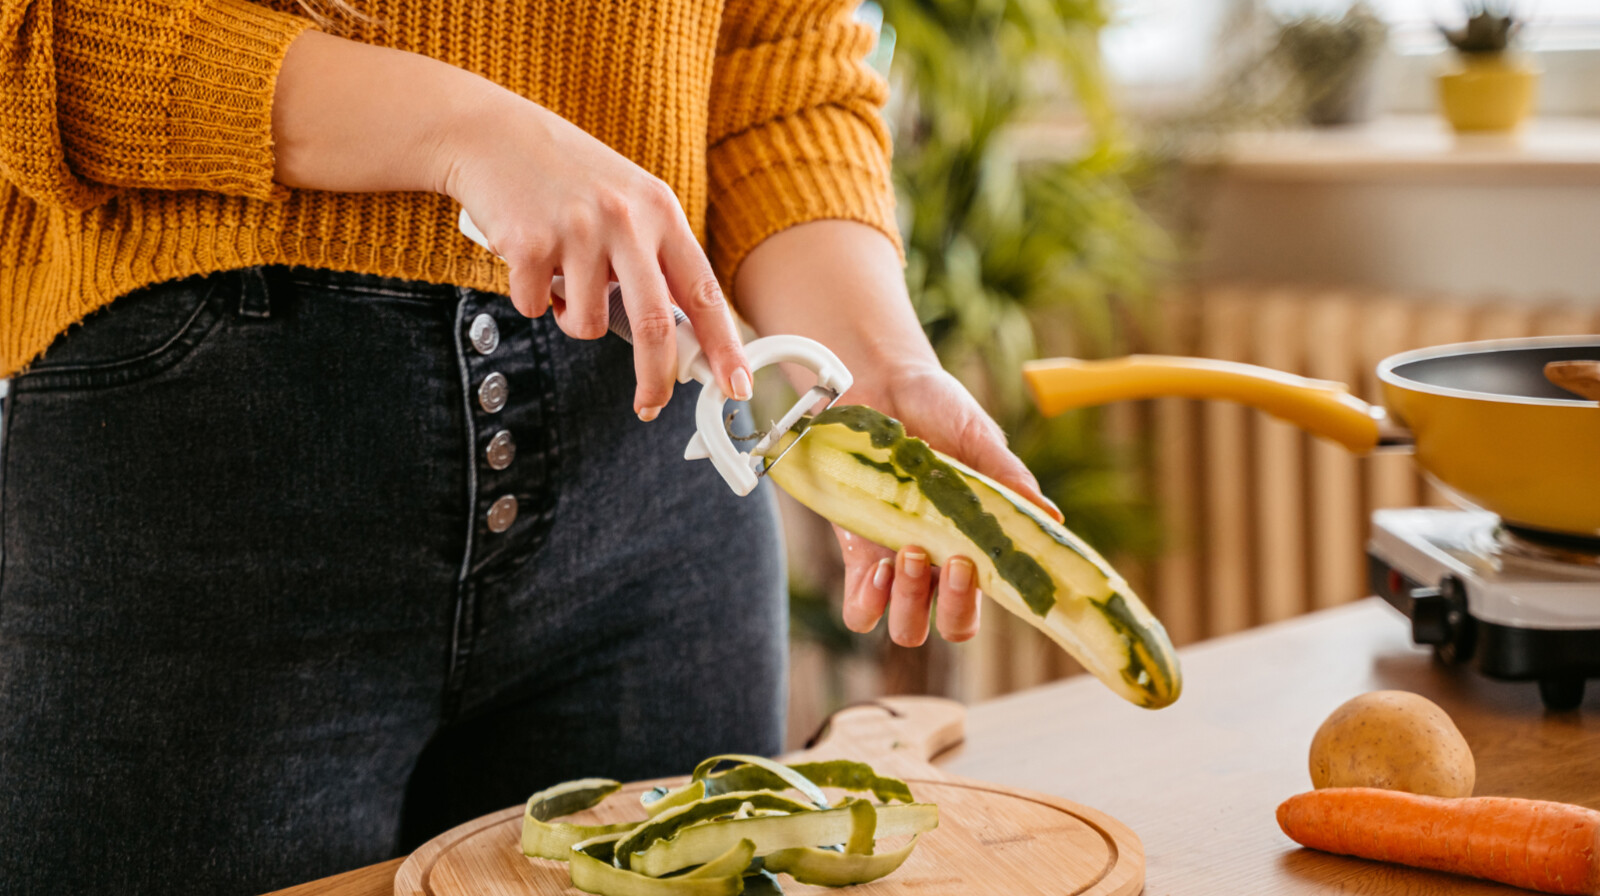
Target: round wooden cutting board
990,839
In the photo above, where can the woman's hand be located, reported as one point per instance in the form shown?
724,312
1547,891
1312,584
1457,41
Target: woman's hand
553,200
840,283
936,408
550,198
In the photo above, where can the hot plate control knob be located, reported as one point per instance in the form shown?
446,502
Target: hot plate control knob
1430,616
1439,617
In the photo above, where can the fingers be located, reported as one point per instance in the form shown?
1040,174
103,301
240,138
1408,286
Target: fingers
903,585
650,317
910,593
864,604
530,287
910,597
695,288
584,314
958,600
868,570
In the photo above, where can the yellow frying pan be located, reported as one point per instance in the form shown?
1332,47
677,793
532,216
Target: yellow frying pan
1483,419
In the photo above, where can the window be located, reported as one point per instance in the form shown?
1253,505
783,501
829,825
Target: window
1158,49
1549,24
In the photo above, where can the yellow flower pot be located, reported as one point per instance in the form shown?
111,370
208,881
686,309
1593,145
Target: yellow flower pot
1488,92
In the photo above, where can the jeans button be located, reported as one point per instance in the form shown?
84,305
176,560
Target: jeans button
484,333
502,513
492,392
501,450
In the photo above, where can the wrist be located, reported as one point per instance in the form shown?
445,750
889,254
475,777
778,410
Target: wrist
354,117
462,139
883,385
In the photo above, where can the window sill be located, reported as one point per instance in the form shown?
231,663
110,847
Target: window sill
1411,147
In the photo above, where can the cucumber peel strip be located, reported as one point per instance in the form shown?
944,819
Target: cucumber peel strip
670,823
695,843
763,774
735,841
555,841
752,773
593,872
856,865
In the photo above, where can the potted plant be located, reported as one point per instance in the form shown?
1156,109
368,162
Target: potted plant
1489,88
1332,60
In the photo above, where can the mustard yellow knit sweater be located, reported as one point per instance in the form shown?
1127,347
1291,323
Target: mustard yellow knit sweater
136,143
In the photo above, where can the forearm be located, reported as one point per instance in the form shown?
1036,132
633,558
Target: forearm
840,283
351,117
549,197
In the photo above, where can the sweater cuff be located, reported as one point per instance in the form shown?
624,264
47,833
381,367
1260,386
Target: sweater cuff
190,104
219,123
824,164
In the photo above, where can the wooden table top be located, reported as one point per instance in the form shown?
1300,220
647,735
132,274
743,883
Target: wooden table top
1200,780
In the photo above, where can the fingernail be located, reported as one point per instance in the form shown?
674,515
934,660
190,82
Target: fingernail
916,564
958,575
1054,509
740,382
882,575
648,414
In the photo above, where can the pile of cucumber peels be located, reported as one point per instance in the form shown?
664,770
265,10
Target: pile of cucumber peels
731,831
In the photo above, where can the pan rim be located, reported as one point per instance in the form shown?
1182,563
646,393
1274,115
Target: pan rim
1386,368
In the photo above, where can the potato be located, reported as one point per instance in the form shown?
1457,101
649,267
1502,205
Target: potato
1395,740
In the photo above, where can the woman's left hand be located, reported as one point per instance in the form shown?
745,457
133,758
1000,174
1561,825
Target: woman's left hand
935,407
839,282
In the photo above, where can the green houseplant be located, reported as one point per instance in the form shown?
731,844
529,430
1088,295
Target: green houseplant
1488,88
1332,61
1016,247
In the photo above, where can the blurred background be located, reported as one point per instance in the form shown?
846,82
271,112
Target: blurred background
1305,185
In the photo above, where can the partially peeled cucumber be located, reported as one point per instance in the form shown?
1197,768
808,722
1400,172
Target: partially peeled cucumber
859,469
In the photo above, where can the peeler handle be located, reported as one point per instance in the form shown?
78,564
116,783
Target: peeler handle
692,363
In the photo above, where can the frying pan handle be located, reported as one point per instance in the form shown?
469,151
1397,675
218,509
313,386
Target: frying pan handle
1319,407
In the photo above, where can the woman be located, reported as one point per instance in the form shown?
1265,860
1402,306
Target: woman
314,544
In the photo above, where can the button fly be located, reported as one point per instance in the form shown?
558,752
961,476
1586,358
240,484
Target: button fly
484,333
492,392
502,513
501,450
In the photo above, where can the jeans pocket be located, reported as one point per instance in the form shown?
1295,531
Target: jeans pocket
134,338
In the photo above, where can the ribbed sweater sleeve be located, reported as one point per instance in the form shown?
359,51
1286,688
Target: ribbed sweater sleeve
795,132
162,94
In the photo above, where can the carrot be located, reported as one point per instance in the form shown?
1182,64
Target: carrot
1551,847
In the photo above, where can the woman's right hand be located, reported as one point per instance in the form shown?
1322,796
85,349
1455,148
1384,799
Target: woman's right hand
550,198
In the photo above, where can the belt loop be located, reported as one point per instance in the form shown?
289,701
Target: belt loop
254,298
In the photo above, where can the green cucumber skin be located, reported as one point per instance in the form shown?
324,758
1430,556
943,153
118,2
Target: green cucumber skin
949,492
1148,672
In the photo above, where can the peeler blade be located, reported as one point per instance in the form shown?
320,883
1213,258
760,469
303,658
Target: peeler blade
758,459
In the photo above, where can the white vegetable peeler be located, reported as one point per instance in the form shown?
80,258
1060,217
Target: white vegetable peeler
711,440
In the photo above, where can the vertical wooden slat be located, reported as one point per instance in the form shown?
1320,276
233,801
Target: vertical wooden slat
1226,446
1338,527
1443,321
981,661
1030,663
1504,320
1177,593
1560,319
1280,511
1177,596
1391,477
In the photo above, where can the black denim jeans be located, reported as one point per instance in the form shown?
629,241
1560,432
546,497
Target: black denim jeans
267,612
